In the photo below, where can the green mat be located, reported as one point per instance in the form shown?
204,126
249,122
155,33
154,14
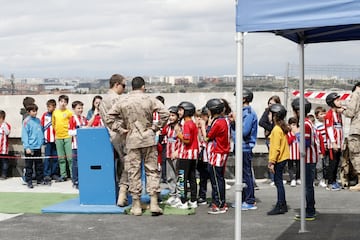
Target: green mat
167,210
30,202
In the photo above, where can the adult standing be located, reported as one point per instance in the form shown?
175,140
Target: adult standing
117,84
352,110
134,112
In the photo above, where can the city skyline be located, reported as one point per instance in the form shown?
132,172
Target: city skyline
143,37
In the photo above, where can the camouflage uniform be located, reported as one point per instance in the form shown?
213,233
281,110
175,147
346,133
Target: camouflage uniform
353,111
117,139
134,112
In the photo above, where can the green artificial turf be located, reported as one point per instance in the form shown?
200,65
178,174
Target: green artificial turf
30,202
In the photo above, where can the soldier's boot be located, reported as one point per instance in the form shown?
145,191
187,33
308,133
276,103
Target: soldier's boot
136,208
122,199
357,186
154,206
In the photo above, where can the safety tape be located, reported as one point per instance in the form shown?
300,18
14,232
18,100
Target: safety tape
23,157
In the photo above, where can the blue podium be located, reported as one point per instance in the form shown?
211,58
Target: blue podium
96,167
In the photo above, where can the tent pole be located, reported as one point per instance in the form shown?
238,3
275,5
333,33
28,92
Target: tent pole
302,136
238,129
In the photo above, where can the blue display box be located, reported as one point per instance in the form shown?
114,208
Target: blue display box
96,167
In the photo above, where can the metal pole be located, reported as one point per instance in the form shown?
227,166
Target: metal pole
286,97
302,137
238,128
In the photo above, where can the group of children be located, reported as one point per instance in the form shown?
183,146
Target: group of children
323,146
57,130
197,140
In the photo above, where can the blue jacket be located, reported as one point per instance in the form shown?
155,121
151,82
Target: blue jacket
32,135
250,127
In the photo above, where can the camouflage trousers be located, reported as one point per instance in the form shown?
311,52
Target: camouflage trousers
133,167
354,151
121,175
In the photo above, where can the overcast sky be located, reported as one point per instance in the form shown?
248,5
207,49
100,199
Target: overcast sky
92,38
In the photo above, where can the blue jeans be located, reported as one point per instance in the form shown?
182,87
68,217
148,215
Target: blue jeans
51,166
248,194
4,165
218,185
278,180
75,171
309,187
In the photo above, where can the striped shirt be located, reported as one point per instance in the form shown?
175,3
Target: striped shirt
294,146
320,128
313,149
75,123
172,143
334,128
219,135
49,131
191,149
5,130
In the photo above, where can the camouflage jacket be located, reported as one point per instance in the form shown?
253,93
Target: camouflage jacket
353,111
107,102
134,112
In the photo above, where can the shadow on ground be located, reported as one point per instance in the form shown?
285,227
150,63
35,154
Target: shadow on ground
326,226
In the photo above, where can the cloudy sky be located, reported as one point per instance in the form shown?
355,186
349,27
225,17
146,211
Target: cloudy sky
92,38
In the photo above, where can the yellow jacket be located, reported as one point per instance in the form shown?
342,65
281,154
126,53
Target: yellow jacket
279,147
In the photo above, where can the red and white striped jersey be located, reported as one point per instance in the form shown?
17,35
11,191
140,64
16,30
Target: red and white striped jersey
49,131
75,123
320,128
334,128
294,146
218,159
5,130
191,149
313,149
173,142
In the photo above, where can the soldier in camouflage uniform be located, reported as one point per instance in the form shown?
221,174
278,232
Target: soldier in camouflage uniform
117,86
353,111
134,112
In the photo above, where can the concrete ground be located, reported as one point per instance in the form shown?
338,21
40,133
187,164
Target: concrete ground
338,218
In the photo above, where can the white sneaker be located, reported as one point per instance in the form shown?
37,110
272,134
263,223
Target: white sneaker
298,182
284,182
322,183
272,184
172,200
227,186
181,205
192,204
293,183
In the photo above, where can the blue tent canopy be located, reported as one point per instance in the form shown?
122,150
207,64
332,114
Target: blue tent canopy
312,21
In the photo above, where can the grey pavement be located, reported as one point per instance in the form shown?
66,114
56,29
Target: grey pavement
338,218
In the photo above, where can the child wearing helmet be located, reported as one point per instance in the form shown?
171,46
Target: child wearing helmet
172,145
187,133
218,138
279,154
334,138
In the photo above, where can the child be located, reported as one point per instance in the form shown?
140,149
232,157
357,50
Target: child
322,165
219,135
32,137
188,154
93,115
76,121
26,102
60,120
51,166
5,129
278,155
293,137
335,138
172,145
311,158
202,164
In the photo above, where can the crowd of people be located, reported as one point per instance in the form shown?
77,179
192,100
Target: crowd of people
180,144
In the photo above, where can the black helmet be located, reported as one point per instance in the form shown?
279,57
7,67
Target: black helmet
215,105
189,108
248,95
296,105
278,110
330,98
204,110
174,109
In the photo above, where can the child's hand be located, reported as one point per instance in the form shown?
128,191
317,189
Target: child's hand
271,167
28,151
